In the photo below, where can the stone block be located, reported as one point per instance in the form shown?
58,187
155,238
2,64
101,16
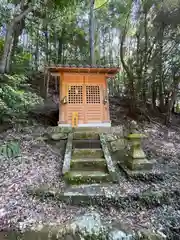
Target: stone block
137,153
136,160
139,164
111,137
118,144
107,155
59,136
150,235
87,153
67,156
85,135
89,164
75,177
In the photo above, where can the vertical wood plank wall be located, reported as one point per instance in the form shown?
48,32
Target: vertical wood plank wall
87,113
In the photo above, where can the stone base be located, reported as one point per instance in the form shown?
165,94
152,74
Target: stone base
105,196
139,164
145,175
85,125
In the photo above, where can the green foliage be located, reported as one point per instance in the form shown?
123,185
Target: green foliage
1,46
99,3
10,150
14,101
21,61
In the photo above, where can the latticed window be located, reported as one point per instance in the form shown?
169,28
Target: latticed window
92,94
75,94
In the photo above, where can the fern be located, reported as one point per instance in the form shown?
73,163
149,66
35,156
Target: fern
10,150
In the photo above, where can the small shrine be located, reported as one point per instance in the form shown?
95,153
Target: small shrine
83,95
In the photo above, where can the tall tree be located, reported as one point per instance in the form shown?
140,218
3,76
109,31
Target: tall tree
20,11
94,4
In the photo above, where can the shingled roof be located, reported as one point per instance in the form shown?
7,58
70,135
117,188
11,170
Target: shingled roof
110,69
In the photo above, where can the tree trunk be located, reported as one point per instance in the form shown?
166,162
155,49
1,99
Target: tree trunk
60,48
145,60
18,29
160,69
5,59
171,101
7,52
91,32
46,49
154,94
129,72
36,56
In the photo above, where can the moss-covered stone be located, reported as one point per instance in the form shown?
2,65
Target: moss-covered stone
87,153
136,157
86,143
107,155
68,154
111,137
75,177
149,235
59,129
136,136
59,136
136,150
139,164
118,144
85,135
89,164
42,138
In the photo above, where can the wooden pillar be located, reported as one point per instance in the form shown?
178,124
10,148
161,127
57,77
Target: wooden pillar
45,86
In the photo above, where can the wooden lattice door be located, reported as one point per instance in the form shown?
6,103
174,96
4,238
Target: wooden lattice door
75,102
93,102
75,94
93,94
84,97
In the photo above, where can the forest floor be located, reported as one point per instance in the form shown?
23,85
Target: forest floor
40,164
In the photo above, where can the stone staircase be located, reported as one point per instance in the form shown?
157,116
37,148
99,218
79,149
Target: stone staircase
87,161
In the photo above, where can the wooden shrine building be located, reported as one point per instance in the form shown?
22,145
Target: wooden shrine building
83,95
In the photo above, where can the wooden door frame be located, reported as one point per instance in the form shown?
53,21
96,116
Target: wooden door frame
101,86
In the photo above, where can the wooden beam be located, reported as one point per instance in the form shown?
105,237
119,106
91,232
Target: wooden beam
55,74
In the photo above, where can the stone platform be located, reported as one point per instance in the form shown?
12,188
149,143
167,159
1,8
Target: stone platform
87,158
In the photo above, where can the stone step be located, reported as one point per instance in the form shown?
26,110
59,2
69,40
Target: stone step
85,135
87,153
85,193
85,189
91,129
87,143
80,177
89,164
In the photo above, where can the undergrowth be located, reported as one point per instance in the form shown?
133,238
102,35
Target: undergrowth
16,98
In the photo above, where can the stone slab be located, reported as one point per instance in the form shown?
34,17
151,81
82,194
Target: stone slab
89,164
75,177
85,135
107,155
104,196
67,156
85,189
139,164
86,143
150,175
118,144
59,136
87,153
